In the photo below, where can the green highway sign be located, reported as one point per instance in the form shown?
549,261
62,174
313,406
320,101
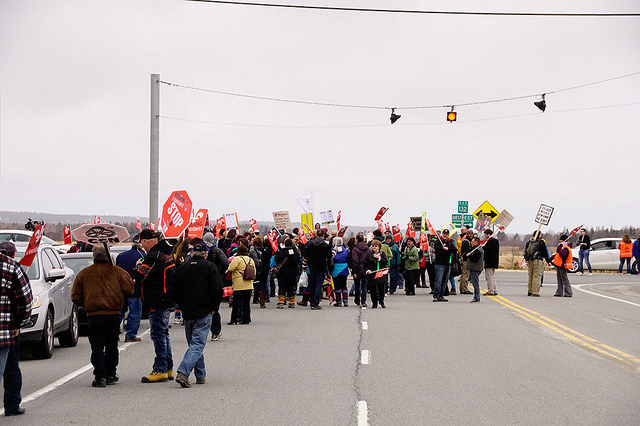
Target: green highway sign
456,219
463,207
467,220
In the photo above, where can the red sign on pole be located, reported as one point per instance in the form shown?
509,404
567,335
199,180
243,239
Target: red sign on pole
176,214
338,219
197,224
96,220
138,224
397,235
254,224
381,212
67,235
32,248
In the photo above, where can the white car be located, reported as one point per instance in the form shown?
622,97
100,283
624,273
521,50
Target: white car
52,314
22,237
603,255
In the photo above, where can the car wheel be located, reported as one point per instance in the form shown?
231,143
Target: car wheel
575,267
44,348
70,337
634,268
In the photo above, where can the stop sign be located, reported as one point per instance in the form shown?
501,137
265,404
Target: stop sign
176,214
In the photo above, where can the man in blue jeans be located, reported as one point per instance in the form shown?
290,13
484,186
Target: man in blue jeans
584,247
197,288
444,249
317,257
156,275
127,260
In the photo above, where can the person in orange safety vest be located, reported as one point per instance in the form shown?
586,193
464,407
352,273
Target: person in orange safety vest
625,247
563,260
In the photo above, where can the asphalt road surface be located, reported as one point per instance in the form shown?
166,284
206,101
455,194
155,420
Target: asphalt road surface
509,359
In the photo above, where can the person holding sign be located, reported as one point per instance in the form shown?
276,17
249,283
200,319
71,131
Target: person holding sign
491,261
376,264
475,263
444,248
535,253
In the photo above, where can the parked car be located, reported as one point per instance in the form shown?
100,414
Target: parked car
21,237
603,255
77,262
53,314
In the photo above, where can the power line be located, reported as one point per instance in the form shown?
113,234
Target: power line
328,104
386,125
423,12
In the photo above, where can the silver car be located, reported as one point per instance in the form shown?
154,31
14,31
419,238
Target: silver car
53,314
603,255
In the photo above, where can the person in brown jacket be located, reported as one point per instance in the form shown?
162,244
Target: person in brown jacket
101,289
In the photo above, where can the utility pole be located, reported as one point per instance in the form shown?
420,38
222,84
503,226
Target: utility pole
154,151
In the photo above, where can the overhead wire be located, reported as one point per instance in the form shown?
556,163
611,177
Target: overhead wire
339,105
424,12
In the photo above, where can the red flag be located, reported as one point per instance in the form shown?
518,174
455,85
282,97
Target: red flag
387,227
380,225
254,224
152,226
206,222
575,230
303,238
196,229
424,242
410,232
381,212
430,227
96,219
342,231
381,273
338,219
397,235
67,235
138,224
32,248
273,239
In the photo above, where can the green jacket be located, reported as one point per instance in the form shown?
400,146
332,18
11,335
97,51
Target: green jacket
412,258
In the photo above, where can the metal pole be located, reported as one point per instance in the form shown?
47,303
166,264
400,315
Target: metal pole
154,152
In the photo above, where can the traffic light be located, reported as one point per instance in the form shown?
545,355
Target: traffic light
394,117
451,115
542,105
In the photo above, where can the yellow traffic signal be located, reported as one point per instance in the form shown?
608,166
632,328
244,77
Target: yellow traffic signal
451,116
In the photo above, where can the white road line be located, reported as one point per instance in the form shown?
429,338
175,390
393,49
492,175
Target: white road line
45,390
365,325
579,287
363,413
366,356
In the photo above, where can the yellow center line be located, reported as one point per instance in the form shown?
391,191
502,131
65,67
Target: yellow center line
569,333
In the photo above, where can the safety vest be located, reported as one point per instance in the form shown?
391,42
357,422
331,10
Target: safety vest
625,249
568,263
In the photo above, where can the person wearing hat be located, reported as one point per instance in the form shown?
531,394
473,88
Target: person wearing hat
156,274
127,260
101,289
12,376
197,288
444,249
563,261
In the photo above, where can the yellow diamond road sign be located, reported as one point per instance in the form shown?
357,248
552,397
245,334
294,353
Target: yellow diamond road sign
487,209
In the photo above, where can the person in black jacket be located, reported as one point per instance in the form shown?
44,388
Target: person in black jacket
289,258
197,288
444,248
317,256
374,263
491,262
156,273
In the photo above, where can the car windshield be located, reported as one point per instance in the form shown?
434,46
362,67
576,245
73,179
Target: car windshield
33,271
78,263
24,238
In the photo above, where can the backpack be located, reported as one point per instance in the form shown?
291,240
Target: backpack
249,273
531,250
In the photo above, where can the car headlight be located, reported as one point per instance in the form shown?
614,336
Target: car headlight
36,302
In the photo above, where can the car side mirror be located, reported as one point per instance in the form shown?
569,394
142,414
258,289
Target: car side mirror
54,274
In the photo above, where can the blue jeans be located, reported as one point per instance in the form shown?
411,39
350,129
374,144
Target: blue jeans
12,380
316,279
196,332
584,254
4,354
474,277
622,260
159,322
442,276
135,313
452,280
360,284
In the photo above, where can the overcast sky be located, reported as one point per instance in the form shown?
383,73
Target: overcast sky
74,99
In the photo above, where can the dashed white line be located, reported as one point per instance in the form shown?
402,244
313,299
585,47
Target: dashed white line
363,413
366,357
365,325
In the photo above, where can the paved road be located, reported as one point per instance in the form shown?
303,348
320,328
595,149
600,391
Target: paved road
509,359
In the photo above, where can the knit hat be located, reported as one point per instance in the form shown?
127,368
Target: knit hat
8,248
147,234
208,238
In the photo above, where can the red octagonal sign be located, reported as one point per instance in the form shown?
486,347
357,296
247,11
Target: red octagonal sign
176,214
